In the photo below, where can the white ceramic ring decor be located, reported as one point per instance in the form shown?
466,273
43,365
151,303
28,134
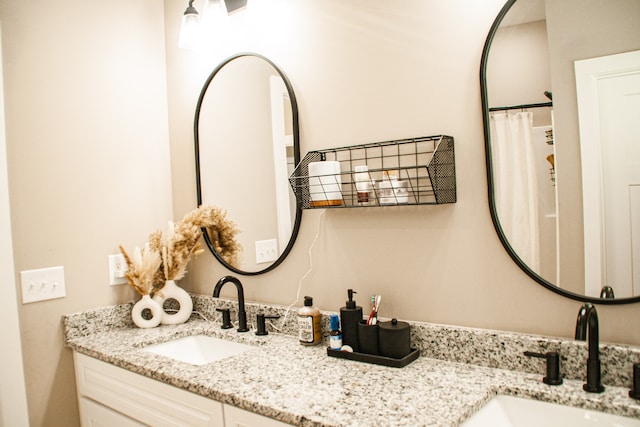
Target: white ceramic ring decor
173,291
146,303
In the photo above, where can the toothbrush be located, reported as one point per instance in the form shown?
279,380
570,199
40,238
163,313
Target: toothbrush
373,309
373,317
377,308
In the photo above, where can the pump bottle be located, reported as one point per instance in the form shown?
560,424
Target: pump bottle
309,326
350,316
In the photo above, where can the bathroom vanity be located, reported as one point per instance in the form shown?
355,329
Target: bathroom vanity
109,395
282,382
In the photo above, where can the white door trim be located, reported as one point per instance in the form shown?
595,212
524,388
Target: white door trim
588,74
13,396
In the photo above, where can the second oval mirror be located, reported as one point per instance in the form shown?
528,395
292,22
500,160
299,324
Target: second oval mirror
559,83
247,144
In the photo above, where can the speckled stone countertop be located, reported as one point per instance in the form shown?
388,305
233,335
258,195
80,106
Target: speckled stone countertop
303,386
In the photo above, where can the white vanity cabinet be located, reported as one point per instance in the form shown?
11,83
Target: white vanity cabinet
112,396
236,417
107,392
96,415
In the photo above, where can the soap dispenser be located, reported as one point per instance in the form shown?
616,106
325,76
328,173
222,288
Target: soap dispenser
350,316
309,323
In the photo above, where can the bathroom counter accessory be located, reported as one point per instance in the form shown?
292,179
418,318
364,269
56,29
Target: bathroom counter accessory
413,171
375,359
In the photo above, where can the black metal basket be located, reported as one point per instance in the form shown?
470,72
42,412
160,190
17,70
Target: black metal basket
414,171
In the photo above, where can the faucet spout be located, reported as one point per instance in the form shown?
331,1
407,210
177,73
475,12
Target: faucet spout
242,314
588,322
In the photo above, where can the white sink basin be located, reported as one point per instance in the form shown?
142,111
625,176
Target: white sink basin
509,411
198,349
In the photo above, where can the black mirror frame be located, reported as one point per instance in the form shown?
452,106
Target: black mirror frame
490,182
296,155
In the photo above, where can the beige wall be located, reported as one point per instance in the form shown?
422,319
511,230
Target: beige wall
88,161
91,166
366,71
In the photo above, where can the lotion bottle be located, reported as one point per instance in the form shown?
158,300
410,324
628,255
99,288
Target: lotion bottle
385,189
363,184
309,327
350,316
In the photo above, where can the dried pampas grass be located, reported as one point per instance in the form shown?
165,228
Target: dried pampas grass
180,245
182,240
143,267
222,233
167,259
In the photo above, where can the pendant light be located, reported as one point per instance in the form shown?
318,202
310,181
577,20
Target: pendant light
189,29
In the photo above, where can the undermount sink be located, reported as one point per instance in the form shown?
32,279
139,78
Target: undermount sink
198,349
509,411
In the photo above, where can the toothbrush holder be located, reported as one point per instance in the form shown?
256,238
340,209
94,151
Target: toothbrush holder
368,338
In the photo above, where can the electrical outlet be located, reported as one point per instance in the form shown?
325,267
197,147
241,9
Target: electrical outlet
42,284
266,251
117,270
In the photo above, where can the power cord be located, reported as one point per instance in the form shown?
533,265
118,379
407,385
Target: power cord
315,239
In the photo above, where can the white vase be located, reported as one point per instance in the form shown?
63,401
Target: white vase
173,291
155,309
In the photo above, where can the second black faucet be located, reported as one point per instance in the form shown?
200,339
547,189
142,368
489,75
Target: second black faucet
588,320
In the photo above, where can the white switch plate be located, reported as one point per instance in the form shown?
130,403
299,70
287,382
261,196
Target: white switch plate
117,269
42,284
266,250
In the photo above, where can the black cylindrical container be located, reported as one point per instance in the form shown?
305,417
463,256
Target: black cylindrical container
367,338
394,339
350,316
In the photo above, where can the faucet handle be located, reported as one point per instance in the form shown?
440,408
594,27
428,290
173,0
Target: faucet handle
553,366
226,318
261,327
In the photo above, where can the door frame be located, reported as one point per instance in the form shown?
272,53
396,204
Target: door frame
13,395
589,73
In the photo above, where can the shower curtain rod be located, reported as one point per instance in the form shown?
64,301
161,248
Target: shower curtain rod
522,107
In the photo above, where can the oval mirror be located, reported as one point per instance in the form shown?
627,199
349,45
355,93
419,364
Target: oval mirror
247,144
559,86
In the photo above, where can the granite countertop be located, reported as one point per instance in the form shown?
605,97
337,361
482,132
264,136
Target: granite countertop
303,386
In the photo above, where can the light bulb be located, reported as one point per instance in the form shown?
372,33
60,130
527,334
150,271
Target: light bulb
215,20
190,28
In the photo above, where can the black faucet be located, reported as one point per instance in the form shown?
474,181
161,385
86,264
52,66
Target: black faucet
242,315
588,316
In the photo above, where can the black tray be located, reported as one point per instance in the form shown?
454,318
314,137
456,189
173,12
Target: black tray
376,360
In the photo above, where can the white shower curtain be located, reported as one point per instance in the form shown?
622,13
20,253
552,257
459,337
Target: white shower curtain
516,191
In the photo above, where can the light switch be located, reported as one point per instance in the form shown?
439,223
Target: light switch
266,250
117,270
42,284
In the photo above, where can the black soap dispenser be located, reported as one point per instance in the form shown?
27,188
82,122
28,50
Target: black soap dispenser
350,316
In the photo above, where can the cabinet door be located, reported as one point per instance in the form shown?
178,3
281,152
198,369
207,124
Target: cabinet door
93,414
236,417
148,401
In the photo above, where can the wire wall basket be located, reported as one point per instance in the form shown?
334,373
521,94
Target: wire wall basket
414,171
